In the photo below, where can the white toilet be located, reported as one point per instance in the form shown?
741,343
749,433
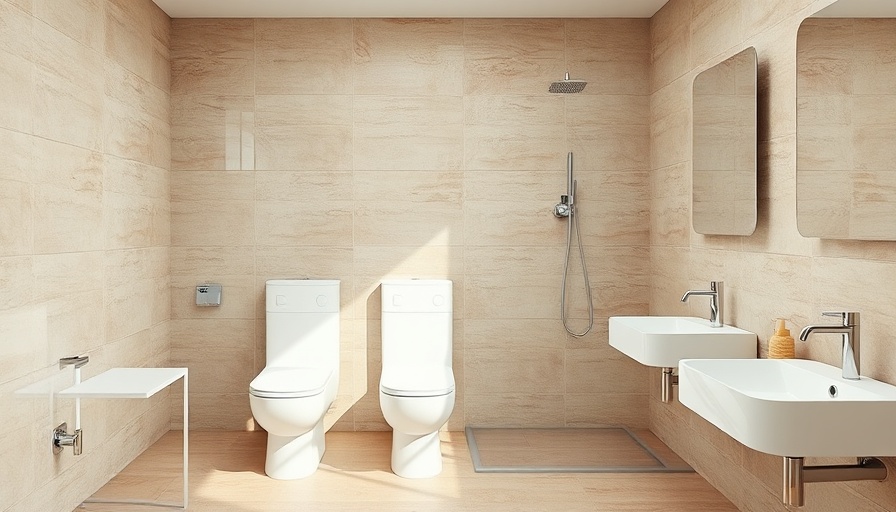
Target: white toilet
417,383
291,395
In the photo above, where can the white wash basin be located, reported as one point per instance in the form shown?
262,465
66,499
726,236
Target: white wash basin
792,407
664,340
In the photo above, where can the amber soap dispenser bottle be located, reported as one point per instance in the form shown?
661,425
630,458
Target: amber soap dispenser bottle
780,346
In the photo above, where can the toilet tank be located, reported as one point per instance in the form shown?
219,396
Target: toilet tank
302,323
417,322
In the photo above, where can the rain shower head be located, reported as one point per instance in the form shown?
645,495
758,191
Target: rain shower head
567,86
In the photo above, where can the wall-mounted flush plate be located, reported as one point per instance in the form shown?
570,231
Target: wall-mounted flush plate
208,295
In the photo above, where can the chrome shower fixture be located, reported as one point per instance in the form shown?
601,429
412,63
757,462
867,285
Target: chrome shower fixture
567,86
566,208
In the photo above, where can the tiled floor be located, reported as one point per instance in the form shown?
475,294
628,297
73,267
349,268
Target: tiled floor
227,474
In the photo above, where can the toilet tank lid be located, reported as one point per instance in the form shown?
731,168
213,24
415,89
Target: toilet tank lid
417,381
283,381
302,282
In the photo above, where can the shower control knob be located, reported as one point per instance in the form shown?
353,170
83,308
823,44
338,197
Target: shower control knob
561,210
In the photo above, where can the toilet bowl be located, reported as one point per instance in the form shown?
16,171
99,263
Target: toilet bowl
417,388
290,397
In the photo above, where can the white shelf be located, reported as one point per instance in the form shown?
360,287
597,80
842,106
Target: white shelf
138,383
125,383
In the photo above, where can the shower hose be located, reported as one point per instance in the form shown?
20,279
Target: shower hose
573,225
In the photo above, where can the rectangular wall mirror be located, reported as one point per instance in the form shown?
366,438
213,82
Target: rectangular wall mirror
724,147
846,121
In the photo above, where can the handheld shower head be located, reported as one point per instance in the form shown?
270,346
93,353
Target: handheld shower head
567,86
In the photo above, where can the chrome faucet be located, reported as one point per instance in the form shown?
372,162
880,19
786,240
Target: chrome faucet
849,329
715,301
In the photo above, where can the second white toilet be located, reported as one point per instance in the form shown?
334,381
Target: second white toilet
417,383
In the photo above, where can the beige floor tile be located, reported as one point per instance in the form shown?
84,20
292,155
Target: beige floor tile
227,473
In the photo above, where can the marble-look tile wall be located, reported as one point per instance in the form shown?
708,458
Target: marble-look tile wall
773,273
369,149
84,234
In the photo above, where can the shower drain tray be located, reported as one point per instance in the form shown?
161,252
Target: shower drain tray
571,450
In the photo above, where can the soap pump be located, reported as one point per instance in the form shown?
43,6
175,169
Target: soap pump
780,346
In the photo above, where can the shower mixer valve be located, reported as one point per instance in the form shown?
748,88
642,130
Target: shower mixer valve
563,208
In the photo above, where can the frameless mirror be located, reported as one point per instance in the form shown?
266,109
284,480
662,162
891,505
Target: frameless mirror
724,147
846,121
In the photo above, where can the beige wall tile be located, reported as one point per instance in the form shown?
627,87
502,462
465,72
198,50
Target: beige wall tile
408,186
432,224
500,410
320,262
303,56
16,104
136,118
200,126
226,333
602,409
622,147
68,198
512,110
670,124
613,55
491,371
518,147
512,296
16,218
408,133
294,223
201,219
403,262
16,22
408,57
670,43
215,57
82,20
308,132
600,367
498,261
716,26
127,29
617,195
68,84
15,161
499,223
215,411
512,56
495,333
190,261
16,71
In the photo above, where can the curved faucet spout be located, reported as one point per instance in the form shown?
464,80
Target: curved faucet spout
849,331
715,301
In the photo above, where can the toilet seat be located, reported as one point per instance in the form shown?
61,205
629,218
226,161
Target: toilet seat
418,381
288,382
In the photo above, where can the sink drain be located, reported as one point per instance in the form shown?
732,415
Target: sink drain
832,391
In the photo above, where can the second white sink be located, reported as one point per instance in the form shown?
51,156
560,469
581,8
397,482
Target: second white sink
792,407
663,340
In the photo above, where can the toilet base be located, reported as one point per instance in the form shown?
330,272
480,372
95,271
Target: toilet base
291,458
416,456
